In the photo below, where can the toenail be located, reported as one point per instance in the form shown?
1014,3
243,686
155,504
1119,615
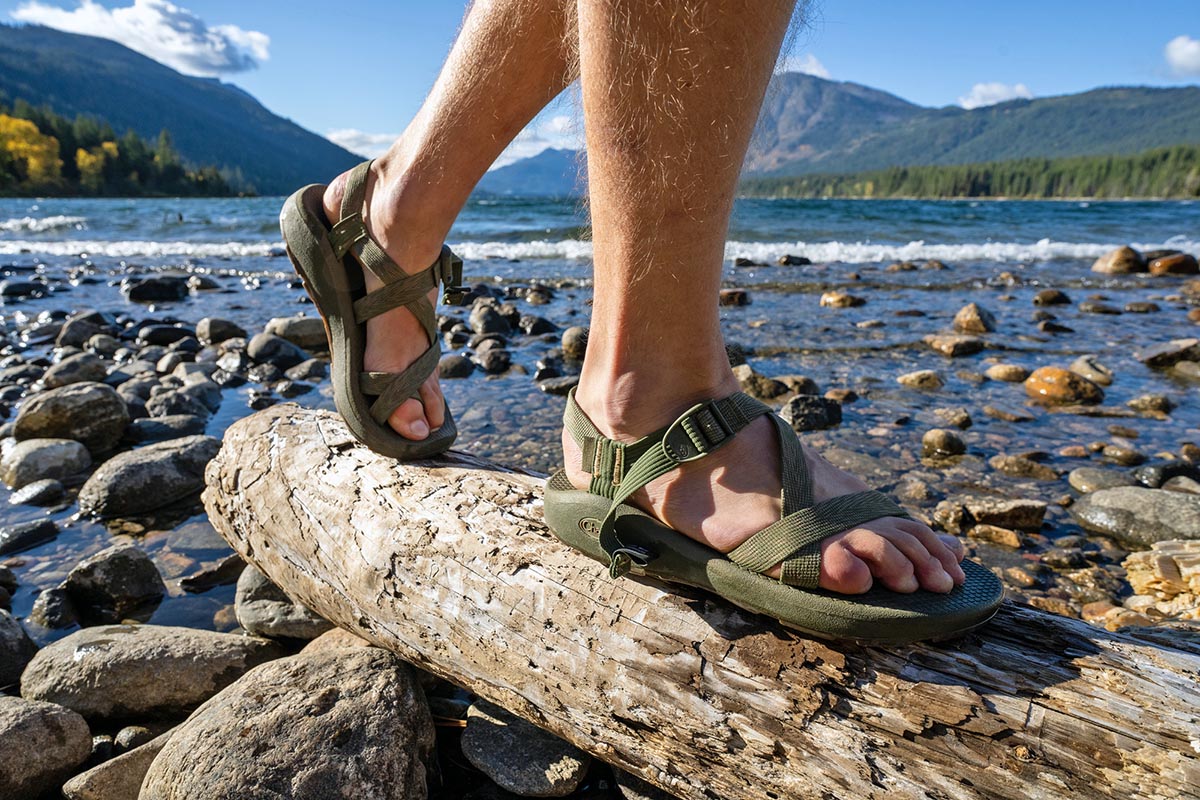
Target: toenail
419,429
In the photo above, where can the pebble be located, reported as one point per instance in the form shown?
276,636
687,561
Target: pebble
263,609
574,342
1125,456
1058,386
213,330
1051,297
519,756
307,333
79,368
955,345
939,442
733,297
1122,261
90,413
958,417
41,744
836,299
757,385
275,350
1152,403
560,386
148,478
1022,467
40,459
996,535
925,379
155,289
140,671
1008,373
1170,353
959,514
971,318
1091,479
1139,517
308,727
24,535
1007,414
454,366
809,412
1090,367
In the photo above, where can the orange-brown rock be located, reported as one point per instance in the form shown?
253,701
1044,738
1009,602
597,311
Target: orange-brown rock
1121,261
1059,386
1177,264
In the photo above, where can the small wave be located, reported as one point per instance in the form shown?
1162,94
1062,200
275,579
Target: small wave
143,249
35,225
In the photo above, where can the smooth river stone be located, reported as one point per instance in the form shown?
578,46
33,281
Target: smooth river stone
1139,517
41,744
1093,479
1062,387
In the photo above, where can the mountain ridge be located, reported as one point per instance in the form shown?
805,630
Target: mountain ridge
211,122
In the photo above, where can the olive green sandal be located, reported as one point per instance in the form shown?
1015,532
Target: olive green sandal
330,261
602,525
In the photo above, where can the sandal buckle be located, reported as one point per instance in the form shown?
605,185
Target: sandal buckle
449,272
698,431
628,556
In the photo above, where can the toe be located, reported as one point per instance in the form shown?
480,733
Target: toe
842,571
928,569
948,555
409,421
433,403
888,564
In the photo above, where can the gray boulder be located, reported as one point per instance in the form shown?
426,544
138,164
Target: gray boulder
148,478
16,648
38,493
519,756
108,586
91,413
307,728
263,609
160,429
118,779
1139,517
142,671
304,332
38,459
176,403
41,744
806,412
266,348
212,330
78,368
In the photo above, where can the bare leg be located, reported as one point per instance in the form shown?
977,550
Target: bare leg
671,91
511,58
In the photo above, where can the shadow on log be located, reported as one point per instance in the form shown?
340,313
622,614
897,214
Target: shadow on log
448,564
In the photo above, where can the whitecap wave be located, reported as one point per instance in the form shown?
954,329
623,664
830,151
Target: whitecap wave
36,225
143,249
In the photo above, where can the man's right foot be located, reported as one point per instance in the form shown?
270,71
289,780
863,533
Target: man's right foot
395,339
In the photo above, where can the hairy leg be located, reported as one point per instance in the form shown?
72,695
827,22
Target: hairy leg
671,91
511,58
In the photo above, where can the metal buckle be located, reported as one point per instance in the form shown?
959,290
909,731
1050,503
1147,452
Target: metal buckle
449,274
624,558
711,425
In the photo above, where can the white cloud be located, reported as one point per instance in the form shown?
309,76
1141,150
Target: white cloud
560,131
807,63
160,30
1183,55
989,94
367,145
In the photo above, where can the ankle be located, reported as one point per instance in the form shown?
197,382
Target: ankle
628,404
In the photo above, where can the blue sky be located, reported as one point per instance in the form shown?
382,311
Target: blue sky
361,67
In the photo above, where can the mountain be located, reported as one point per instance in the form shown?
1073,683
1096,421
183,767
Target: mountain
550,173
211,123
810,125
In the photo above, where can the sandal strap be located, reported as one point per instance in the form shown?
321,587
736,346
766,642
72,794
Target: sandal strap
393,388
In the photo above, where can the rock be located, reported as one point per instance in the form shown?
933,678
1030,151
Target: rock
21,289
455,366
1008,414
333,639
973,319
81,327
793,261
757,385
176,404
1051,297
162,334
314,369
307,333
91,413
800,384
954,345
1122,261
939,442
334,723
140,671
742,261
1139,517
170,426
733,297
926,379
574,342
117,779
266,348
16,649
1177,264
264,609
1093,307
41,744
806,412
531,325
213,330
163,288
148,478
1089,367
957,416
960,514
39,459
1008,373
1092,479
78,368
52,609
837,299
519,756
996,535
486,318
1152,403
494,361
1170,353
106,587
1057,386
1022,467
24,535
39,493
561,386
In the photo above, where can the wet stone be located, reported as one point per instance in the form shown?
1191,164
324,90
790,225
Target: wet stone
559,386
1142,308
838,299
940,442
1153,403
1122,261
1051,297
148,478
757,385
924,379
809,412
24,535
959,514
1177,264
40,459
110,585
734,297
1022,467
1091,479
38,493
1090,367
78,368
1058,386
1170,353
91,413
307,333
955,345
958,417
1008,373
1125,456
1139,517
1094,307
971,318
574,342
213,330
274,350
163,288
455,366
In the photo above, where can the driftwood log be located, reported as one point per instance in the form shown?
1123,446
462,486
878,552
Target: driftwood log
449,565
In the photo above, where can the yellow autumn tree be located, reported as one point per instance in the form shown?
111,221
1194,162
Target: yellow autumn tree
34,154
91,169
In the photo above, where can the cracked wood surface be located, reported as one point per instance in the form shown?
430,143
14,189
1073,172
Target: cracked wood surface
449,564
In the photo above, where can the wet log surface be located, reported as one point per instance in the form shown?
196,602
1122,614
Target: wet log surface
448,564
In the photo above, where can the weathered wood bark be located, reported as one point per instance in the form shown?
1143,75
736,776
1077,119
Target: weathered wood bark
451,567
